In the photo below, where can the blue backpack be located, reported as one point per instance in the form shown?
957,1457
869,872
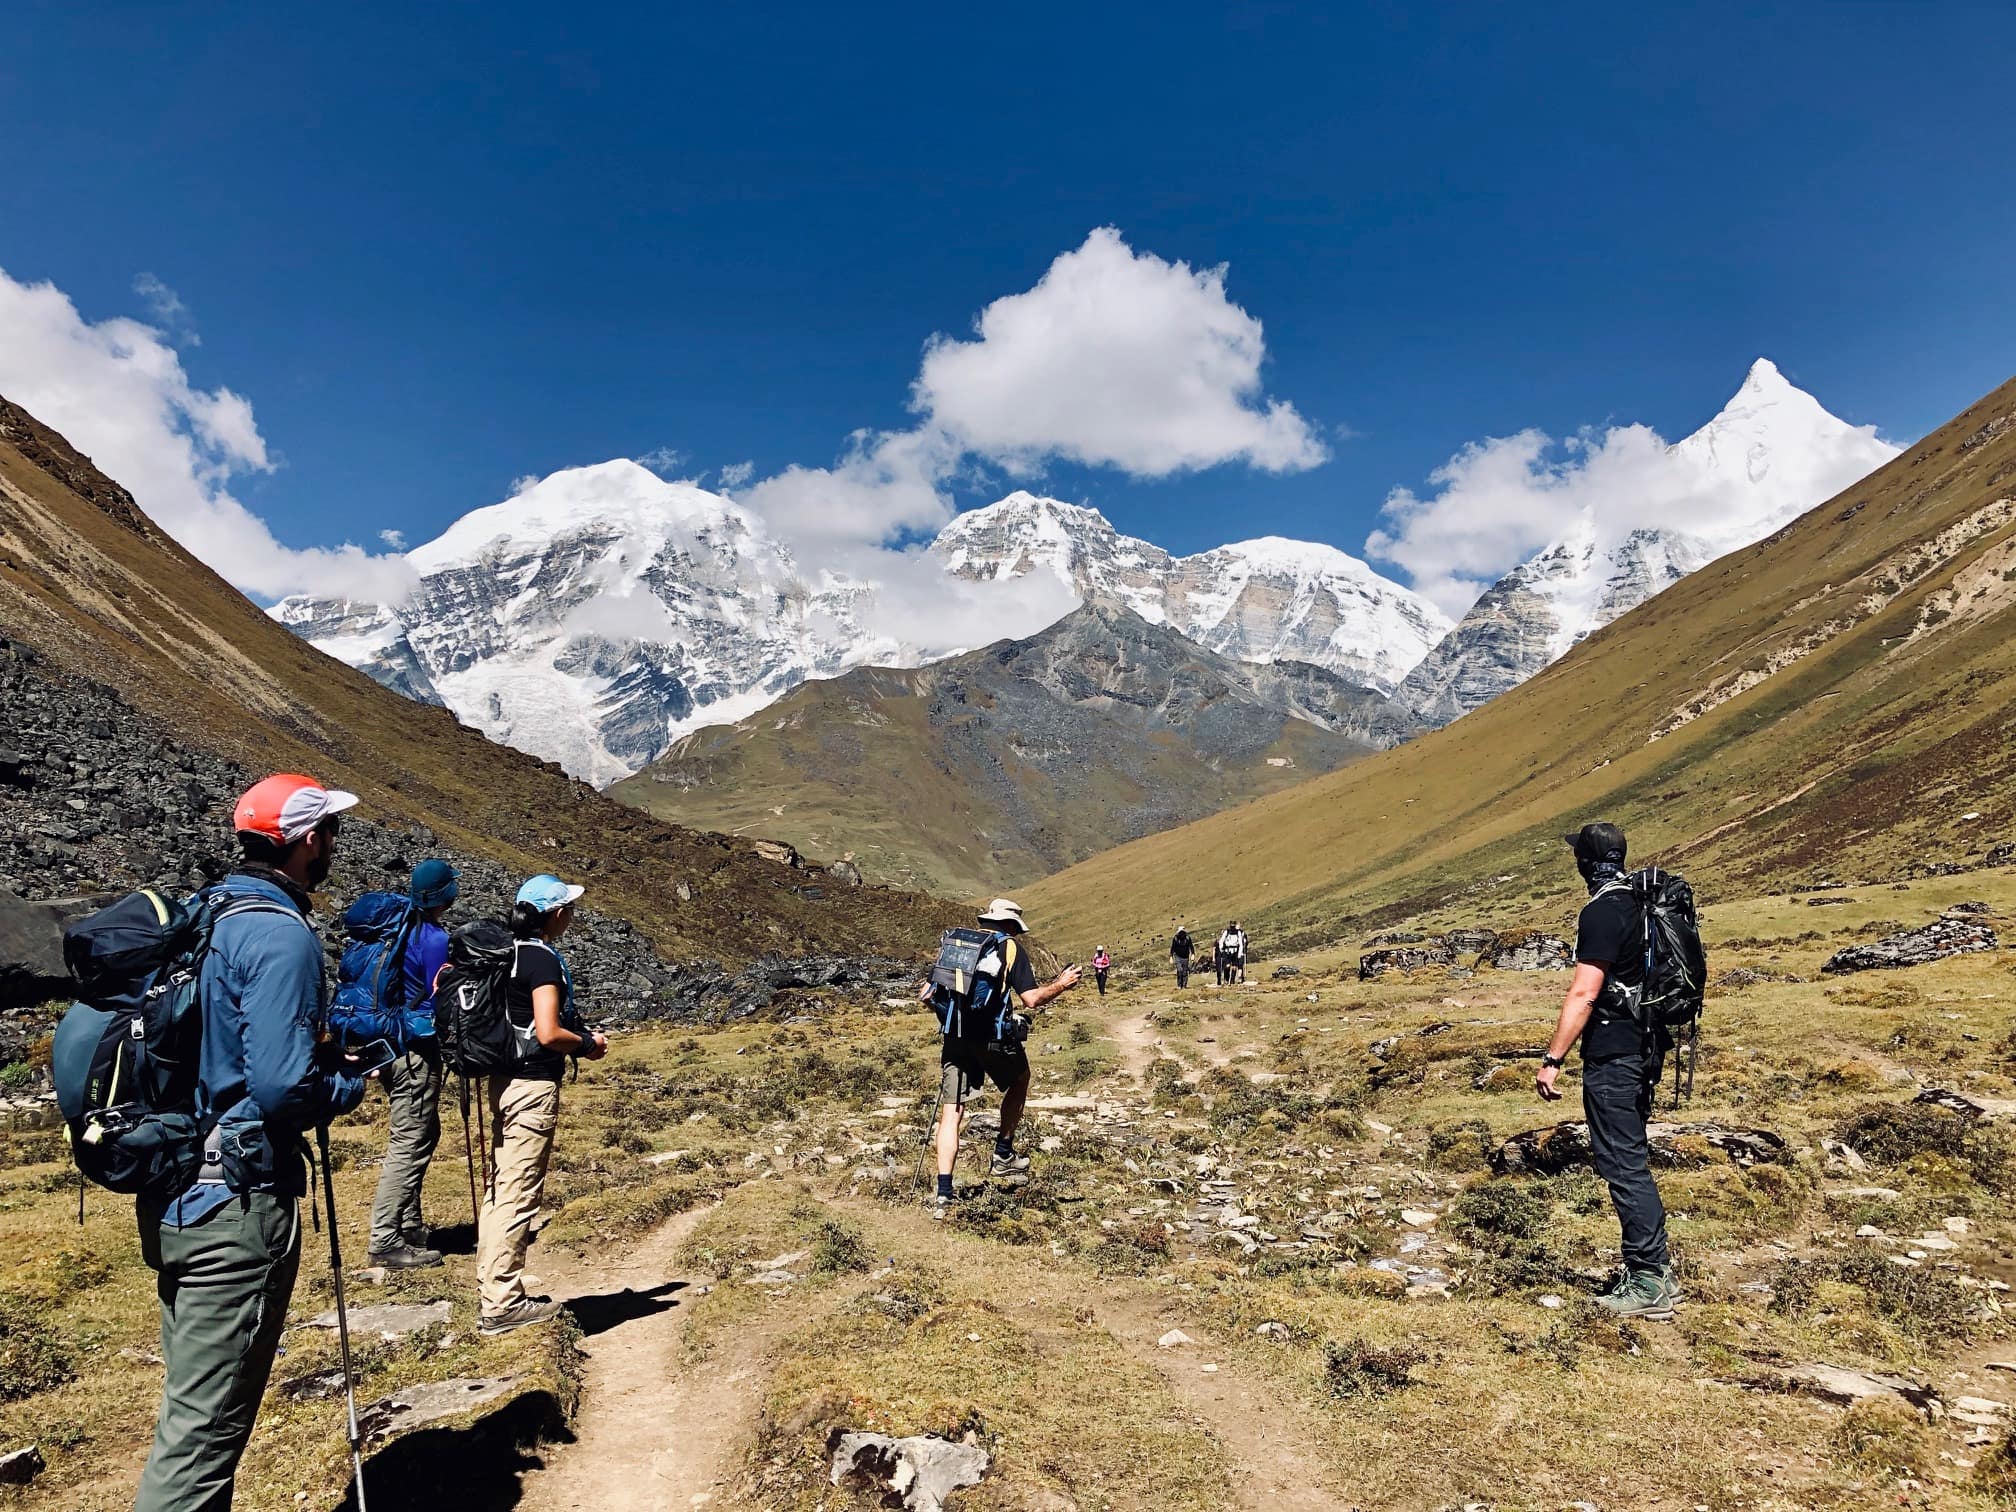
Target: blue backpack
372,993
126,1056
969,986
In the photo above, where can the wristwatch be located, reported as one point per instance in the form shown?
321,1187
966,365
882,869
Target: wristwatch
1554,1061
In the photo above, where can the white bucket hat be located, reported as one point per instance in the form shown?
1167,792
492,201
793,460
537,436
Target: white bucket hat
1005,911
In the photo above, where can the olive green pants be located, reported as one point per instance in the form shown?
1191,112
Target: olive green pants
413,1092
224,1282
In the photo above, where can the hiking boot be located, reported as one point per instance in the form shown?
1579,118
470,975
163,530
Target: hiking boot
531,1310
1011,1169
941,1208
405,1256
1647,1294
413,1238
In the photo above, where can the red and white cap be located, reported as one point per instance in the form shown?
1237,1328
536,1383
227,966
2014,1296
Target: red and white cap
287,806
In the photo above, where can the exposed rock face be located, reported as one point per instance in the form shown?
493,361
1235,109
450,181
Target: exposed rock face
1563,1147
369,637
1528,952
1955,934
1265,600
1771,454
1378,963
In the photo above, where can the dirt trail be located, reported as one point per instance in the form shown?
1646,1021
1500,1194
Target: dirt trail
1139,1044
649,1434
1277,1464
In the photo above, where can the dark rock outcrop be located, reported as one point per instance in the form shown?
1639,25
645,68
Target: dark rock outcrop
1403,958
1530,951
1951,935
1565,1146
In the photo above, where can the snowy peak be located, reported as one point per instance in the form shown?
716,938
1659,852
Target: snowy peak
1769,455
1263,600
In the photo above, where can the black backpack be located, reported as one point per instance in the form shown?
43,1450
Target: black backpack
1676,963
126,1056
470,1021
969,986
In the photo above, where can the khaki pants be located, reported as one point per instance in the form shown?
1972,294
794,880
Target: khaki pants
524,1113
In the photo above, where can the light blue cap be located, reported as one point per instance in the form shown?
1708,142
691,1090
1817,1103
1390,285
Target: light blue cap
547,892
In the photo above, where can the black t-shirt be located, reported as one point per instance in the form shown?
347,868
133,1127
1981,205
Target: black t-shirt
1021,975
537,964
1611,934
1180,947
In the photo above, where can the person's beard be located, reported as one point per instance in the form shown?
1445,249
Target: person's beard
318,871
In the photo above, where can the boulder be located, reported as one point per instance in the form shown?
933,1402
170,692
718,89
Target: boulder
1948,936
417,1406
389,1320
778,851
845,872
916,1473
1565,1146
31,950
1281,972
1470,941
1844,1387
1994,1109
1403,958
1528,951
20,1466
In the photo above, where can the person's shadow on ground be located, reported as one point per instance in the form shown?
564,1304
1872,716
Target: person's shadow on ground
598,1314
453,1238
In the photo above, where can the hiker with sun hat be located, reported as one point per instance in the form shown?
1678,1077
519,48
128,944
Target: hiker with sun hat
524,1102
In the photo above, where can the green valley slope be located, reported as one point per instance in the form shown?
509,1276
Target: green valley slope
1832,703
982,772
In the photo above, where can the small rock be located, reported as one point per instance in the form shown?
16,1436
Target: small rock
1209,1369
1845,1387
1552,1303
1173,1339
389,1320
373,1275
1272,1330
20,1466
406,1410
1418,1218
916,1474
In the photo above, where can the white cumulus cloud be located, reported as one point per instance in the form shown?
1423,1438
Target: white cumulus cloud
1114,358
735,474
117,390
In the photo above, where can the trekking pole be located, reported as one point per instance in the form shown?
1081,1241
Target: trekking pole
469,1153
930,1141
342,1318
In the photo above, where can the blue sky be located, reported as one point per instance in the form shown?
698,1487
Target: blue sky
440,247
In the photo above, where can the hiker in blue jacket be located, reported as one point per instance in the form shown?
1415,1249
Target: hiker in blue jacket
413,1082
225,1252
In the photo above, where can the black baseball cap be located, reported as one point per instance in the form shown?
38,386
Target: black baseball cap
1600,841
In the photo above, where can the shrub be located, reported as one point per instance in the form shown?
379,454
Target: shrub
1884,1434
1893,1133
1922,1302
1463,1146
1490,1212
33,1356
839,1249
1355,1368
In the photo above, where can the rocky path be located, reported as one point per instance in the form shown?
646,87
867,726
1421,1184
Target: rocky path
649,1434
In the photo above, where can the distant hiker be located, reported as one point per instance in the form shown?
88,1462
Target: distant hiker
1180,951
226,1250
1230,950
1101,964
413,1081
984,1041
524,1102
1239,951
1218,959
1620,1068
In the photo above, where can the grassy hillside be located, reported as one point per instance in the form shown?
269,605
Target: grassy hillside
100,591
1832,703
988,770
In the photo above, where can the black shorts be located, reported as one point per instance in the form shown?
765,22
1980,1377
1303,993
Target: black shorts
966,1069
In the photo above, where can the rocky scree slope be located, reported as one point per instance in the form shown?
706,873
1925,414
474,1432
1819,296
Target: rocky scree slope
1770,454
987,770
105,598
1830,704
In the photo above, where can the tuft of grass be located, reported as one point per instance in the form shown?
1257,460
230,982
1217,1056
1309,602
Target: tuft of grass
1884,1436
1919,1301
34,1357
839,1249
1894,1133
1464,1145
1355,1368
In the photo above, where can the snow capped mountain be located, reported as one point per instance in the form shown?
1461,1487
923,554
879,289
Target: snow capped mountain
597,615
1260,601
1770,455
